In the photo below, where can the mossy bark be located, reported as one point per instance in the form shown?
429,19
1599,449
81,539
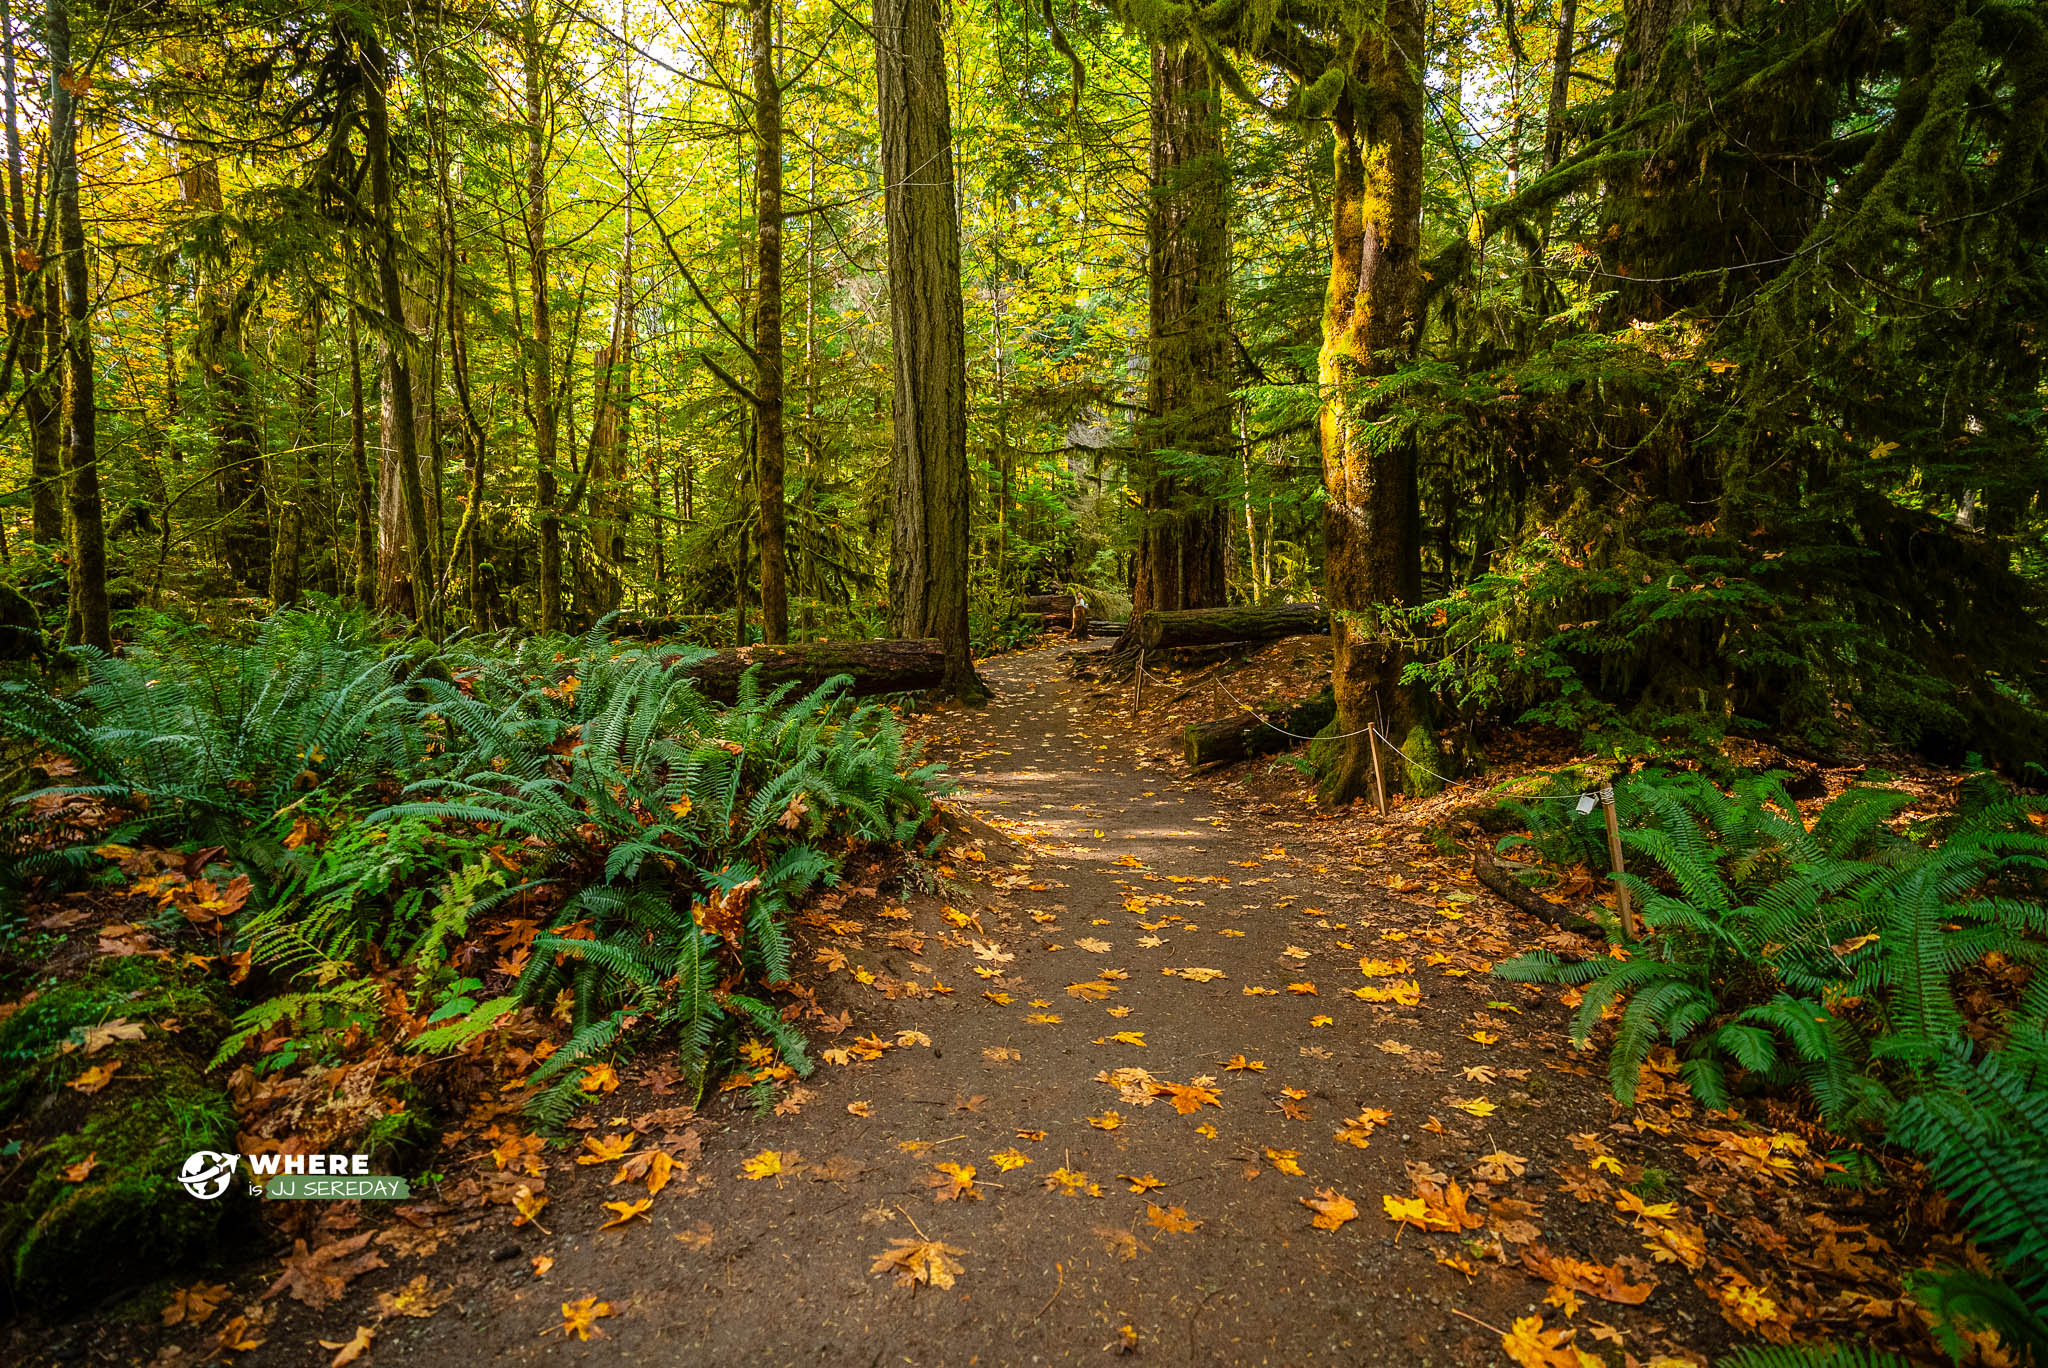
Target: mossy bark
128,1221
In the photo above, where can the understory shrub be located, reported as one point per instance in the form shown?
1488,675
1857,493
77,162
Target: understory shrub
1889,970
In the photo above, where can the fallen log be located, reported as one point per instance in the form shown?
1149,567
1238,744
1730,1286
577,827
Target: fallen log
1106,629
1211,626
1252,734
1508,889
877,667
1043,604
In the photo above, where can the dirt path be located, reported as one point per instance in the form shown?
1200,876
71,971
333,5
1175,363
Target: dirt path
1201,927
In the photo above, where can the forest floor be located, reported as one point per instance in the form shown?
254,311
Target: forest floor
1158,1065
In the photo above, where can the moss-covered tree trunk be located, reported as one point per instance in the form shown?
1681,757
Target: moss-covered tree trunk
1371,318
930,490
1180,557
769,445
91,619
398,369
33,326
543,404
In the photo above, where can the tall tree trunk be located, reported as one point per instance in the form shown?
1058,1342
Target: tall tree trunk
89,609
359,469
930,489
1180,560
37,354
398,347
542,401
769,444
1372,541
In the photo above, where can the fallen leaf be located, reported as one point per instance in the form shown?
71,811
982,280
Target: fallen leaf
920,1261
1332,1209
234,1337
96,1078
766,1164
349,1350
598,1078
579,1318
953,1182
625,1211
1108,1121
1500,1166
1170,1218
605,1149
697,1237
316,1277
1119,1242
192,1305
1531,1346
99,1037
528,1204
1144,1184
82,1170
417,1299
1009,1159
541,1264
1285,1161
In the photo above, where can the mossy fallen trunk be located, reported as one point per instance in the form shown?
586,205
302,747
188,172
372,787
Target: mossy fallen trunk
1215,626
1253,734
95,1206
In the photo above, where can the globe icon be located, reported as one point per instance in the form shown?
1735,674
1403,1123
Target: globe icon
207,1173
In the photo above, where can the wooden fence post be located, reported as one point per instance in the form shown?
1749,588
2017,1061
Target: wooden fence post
1622,905
1379,782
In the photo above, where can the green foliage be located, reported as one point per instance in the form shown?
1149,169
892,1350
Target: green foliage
1827,956
672,835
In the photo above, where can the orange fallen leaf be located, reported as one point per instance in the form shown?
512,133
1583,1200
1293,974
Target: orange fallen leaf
349,1350
192,1305
603,1150
82,1170
953,1182
1170,1218
1144,1184
766,1164
579,1318
626,1211
541,1264
96,1078
1332,1209
528,1204
599,1078
914,1261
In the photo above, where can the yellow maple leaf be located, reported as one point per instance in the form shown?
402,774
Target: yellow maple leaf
1406,1211
625,1211
579,1318
1285,1161
766,1164
1009,1159
604,1149
1531,1346
1108,1121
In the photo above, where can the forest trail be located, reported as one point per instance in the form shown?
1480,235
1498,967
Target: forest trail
1130,902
